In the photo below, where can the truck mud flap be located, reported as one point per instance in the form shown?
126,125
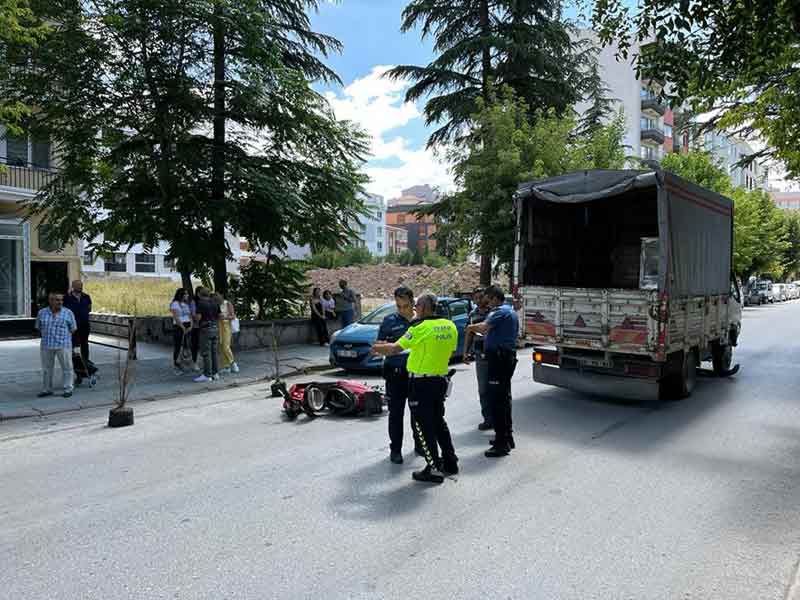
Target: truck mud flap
710,373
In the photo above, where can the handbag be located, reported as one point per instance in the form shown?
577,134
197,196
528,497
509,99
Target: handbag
235,326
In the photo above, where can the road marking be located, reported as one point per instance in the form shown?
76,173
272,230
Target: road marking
793,593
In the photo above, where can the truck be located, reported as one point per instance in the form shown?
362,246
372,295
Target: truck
626,282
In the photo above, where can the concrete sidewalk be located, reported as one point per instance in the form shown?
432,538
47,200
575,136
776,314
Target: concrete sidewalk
21,376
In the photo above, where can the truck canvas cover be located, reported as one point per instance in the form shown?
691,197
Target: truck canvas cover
695,226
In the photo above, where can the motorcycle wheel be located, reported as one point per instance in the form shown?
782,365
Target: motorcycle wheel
313,400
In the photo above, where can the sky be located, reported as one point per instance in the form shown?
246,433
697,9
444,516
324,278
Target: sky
370,32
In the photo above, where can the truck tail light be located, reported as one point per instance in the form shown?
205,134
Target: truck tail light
546,357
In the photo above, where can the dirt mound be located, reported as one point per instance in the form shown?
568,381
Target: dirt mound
380,281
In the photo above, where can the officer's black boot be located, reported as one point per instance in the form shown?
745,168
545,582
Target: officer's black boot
449,466
497,451
511,443
428,475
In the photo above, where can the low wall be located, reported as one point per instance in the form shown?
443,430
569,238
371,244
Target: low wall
253,334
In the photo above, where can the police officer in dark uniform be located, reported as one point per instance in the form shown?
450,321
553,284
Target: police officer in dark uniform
392,328
501,328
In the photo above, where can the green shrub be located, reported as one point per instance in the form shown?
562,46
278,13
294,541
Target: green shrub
432,259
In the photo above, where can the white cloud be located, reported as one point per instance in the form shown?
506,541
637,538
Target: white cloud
376,103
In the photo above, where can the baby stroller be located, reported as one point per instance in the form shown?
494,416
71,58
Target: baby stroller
84,369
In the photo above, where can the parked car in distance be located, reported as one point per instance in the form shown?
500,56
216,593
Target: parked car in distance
350,347
792,292
760,293
779,292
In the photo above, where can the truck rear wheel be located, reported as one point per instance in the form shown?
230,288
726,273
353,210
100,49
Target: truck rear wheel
721,357
680,383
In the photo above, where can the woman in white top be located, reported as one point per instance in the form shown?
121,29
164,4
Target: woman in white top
182,320
228,314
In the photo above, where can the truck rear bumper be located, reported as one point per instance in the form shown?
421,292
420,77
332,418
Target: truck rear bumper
587,382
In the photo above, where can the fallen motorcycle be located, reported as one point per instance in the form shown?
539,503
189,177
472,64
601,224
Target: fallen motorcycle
340,397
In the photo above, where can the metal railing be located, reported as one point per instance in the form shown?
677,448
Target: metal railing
24,176
129,329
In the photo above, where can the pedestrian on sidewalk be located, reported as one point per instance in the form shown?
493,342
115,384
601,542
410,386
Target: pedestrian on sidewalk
209,313
227,317
474,350
501,328
80,304
348,310
56,325
395,374
194,334
182,326
318,317
431,340
328,305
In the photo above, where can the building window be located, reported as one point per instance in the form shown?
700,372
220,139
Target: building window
40,154
145,263
169,264
401,219
379,216
380,231
12,269
88,259
668,130
649,153
647,123
116,263
48,241
380,246
17,150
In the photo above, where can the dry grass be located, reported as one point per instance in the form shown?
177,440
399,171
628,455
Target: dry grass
135,297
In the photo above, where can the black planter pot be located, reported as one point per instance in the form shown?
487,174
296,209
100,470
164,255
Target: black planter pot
278,389
120,417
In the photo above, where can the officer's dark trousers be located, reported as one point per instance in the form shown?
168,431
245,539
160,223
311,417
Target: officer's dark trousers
502,364
397,391
426,399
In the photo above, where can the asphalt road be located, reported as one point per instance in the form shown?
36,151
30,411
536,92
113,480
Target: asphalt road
217,497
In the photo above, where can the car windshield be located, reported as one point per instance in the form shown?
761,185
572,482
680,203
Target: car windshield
376,316
764,286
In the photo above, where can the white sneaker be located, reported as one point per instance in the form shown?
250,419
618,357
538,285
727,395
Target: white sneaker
215,377
178,371
201,379
195,367
225,372
234,368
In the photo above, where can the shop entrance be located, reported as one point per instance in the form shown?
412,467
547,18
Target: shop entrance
47,277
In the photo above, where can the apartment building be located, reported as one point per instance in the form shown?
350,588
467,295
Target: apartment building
727,151
786,200
396,240
648,120
31,263
420,229
139,262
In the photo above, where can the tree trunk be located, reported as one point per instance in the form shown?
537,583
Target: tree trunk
486,270
186,281
219,252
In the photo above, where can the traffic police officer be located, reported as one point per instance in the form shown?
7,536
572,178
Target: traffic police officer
392,328
501,328
431,340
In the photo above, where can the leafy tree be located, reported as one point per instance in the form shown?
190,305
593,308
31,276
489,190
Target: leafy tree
737,59
20,33
484,44
597,95
271,289
699,167
142,156
506,149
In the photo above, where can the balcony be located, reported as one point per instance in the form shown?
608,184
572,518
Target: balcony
653,135
24,176
654,106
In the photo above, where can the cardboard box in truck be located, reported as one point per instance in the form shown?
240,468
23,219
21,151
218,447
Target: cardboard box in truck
626,280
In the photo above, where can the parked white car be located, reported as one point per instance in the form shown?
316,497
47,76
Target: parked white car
779,292
793,292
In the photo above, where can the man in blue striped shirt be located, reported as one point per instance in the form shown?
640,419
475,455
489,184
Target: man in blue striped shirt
56,325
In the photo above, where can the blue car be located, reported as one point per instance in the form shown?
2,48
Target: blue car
350,346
